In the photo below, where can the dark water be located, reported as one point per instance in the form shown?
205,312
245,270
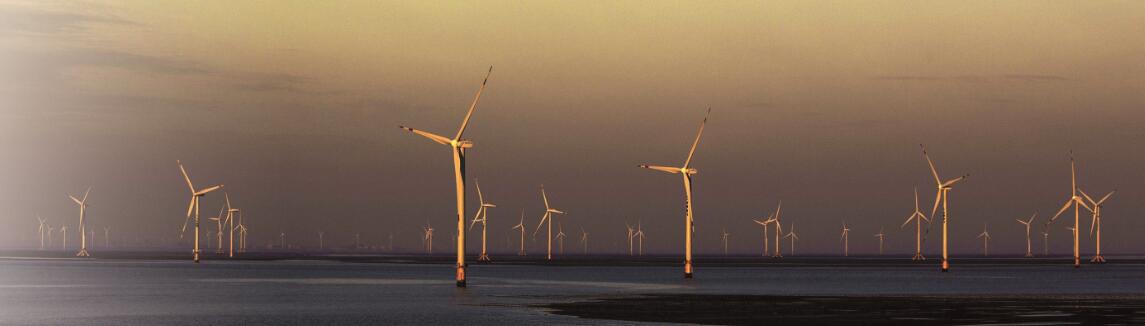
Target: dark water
127,292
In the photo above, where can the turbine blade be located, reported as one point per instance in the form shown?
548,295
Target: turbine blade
78,202
1103,199
1064,207
185,176
697,141
209,190
436,138
85,193
937,199
545,197
480,197
661,168
908,219
934,171
191,207
473,106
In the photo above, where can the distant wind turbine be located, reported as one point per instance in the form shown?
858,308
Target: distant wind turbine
584,240
985,236
458,146
941,197
791,235
631,236
521,227
83,226
1076,202
230,224
764,223
686,171
845,240
483,217
917,217
428,238
778,229
560,239
193,207
549,211
639,235
1028,224
1095,209
882,236
724,238
41,231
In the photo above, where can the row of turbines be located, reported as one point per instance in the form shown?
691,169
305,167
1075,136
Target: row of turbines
459,145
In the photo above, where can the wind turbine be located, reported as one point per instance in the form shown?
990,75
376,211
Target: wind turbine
321,240
724,239
458,146
521,226
428,239
985,236
193,207
1045,243
791,234
549,211
560,239
230,223
845,240
764,223
917,217
941,197
631,236
1095,208
483,217
1028,224
107,237
51,230
41,231
686,171
778,229
282,240
584,240
639,235
1077,202
881,237
83,233
64,235
219,234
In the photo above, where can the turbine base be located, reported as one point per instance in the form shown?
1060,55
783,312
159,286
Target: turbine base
1097,260
83,253
1029,254
1076,262
460,276
917,257
945,266
484,258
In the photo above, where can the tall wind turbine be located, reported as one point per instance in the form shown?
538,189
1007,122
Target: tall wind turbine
764,223
686,171
428,238
791,235
42,230
458,146
1028,224
83,226
107,237
1045,243
1095,208
639,235
985,236
231,228
521,227
917,217
1077,203
882,236
846,240
193,207
631,236
941,197
584,240
219,234
724,238
560,239
482,216
549,211
778,228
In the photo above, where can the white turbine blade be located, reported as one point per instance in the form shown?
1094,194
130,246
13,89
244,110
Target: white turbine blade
1092,223
436,138
908,219
85,193
185,176
697,141
1103,199
937,200
480,197
1087,197
661,168
1032,217
545,197
934,171
228,197
78,202
1064,207
955,180
476,218
191,207
209,190
473,106
542,223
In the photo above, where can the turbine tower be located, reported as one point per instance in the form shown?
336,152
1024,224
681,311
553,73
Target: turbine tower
686,171
83,227
639,235
724,238
1077,203
764,223
428,239
631,236
1095,208
482,216
219,234
107,237
458,146
43,228
231,228
521,227
193,207
560,239
985,236
941,197
584,240
917,217
1027,224
778,229
549,211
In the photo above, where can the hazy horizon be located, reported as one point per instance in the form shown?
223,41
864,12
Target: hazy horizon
822,104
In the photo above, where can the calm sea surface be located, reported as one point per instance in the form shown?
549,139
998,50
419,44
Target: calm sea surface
128,292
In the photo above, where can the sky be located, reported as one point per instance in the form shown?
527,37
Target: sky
294,106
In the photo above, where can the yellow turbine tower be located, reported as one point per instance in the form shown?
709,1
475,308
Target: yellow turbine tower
483,217
686,171
941,197
83,212
193,207
548,216
458,146
1077,203
1027,224
1095,208
917,217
